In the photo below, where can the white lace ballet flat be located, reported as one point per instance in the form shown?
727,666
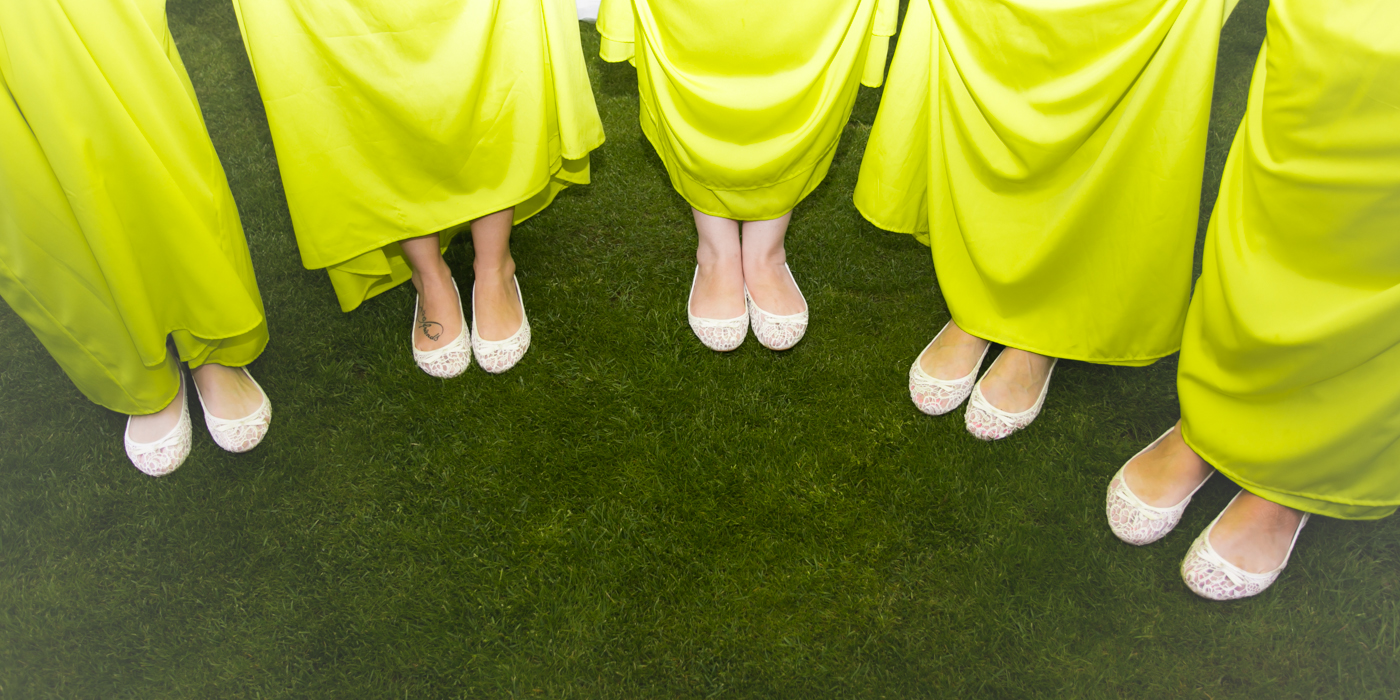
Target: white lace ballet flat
168,453
239,434
777,332
1210,575
720,335
936,396
449,360
987,422
1136,522
496,356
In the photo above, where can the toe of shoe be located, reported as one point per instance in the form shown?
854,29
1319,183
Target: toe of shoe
983,427
160,462
1129,523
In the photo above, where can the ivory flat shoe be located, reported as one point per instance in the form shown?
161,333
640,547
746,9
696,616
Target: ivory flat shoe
449,360
720,335
988,422
168,453
1210,575
1132,520
935,396
239,434
496,356
777,332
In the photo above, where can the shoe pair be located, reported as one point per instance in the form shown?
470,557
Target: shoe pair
936,397
494,356
1205,571
773,332
234,435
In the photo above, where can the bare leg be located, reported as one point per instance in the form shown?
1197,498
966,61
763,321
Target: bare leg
1014,383
227,392
155,426
497,304
439,321
765,257
1167,473
1254,534
954,355
719,289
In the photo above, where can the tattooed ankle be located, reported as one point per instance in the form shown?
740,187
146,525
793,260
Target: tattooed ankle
431,329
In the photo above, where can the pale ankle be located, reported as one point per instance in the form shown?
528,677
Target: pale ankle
431,277
494,270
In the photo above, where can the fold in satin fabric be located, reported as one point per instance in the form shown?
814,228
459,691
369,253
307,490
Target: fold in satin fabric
1052,158
1290,367
394,119
745,102
117,227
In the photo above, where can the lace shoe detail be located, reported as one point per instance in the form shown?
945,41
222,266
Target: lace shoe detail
239,434
935,396
777,332
168,453
497,356
1132,520
449,360
718,334
987,422
1212,576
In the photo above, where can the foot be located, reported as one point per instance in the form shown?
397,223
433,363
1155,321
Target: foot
1169,472
227,392
771,287
439,310
1015,381
953,355
497,305
152,427
1255,534
719,287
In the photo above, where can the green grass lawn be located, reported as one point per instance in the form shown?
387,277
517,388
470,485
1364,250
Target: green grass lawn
626,514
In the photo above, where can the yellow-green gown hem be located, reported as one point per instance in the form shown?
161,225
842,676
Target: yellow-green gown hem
1059,198
745,103
396,119
1031,347
118,232
1316,504
1291,351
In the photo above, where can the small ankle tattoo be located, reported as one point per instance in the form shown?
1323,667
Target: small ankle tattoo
431,329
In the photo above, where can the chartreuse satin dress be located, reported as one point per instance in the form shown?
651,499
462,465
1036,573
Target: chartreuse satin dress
1290,368
745,101
1051,155
394,119
117,227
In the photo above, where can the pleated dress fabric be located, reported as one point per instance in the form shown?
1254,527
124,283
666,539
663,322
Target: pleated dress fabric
1290,368
117,226
1051,155
744,101
394,119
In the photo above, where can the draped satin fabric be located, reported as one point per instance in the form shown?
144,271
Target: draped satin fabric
1051,155
394,119
117,226
1290,368
745,102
